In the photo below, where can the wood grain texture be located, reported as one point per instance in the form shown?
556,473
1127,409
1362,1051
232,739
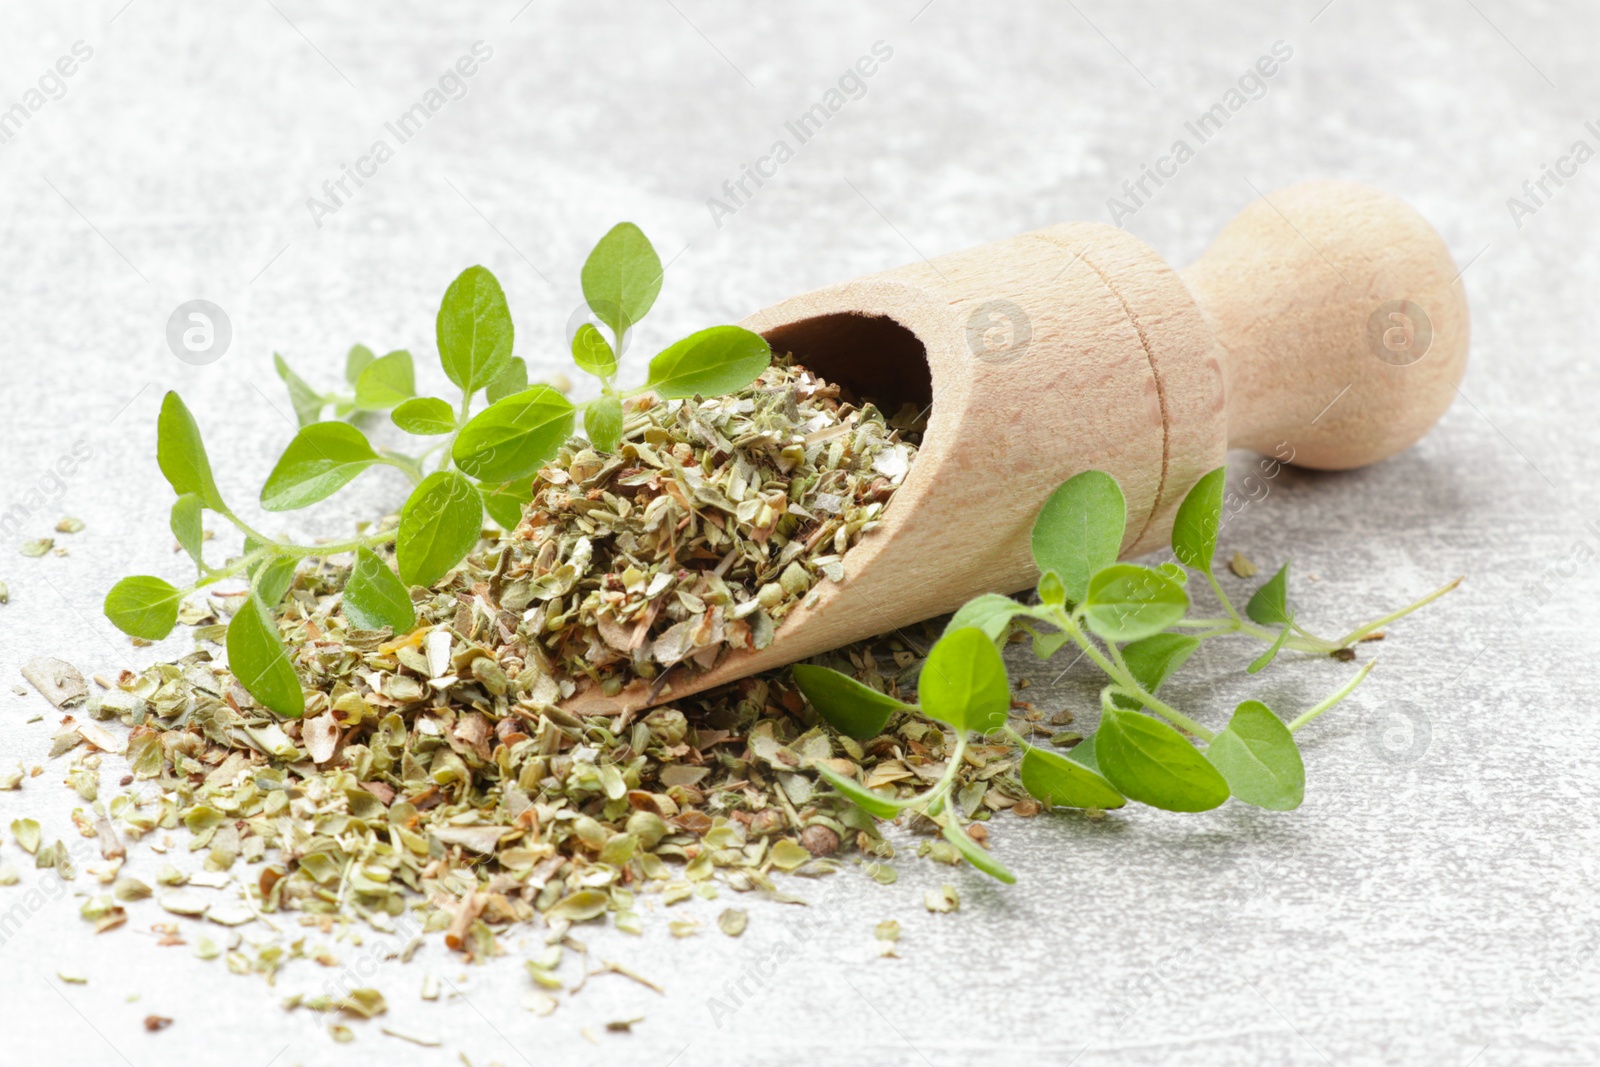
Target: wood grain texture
1077,347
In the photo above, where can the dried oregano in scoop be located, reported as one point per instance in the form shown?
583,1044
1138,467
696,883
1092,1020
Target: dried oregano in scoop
705,526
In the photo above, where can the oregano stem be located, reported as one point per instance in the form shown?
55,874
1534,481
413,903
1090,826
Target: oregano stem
1220,627
1216,587
1344,691
411,468
1361,631
952,768
1125,679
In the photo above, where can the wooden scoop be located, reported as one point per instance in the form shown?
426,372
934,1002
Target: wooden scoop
1326,325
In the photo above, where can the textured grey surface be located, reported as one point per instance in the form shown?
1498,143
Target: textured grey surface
1433,901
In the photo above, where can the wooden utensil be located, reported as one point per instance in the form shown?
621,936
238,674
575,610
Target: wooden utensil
1327,322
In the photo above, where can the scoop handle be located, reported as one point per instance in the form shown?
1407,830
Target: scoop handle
1343,320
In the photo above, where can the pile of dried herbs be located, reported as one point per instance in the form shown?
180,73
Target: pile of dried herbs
433,782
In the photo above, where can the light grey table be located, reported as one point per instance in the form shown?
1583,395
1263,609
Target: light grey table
1434,900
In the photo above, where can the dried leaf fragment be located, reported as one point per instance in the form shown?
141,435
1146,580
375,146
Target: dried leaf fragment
56,680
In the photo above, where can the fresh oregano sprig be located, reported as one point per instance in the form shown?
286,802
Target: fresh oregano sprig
1132,623
476,463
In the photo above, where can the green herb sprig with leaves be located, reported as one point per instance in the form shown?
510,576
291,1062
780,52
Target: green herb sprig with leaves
475,463
1132,622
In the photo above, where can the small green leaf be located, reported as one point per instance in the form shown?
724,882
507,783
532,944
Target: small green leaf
514,437
964,684
863,798
375,598
504,503
849,707
1056,780
474,330
355,361
1272,652
1152,660
439,524
143,606
273,578
1150,762
259,660
592,352
1079,530
514,379
307,402
386,381
1050,589
1194,530
621,277
186,527
1270,604
1083,753
1258,757
709,363
426,416
321,459
182,455
974,854
1127,602
992,613
602,422
1046,645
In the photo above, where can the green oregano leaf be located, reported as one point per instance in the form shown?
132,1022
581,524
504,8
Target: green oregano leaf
258,659
592,352
862,797
602,422
1056,780
1272,651
273,577
621,277
425,416
474,330
853,709
321,460
182,455
709,363
1047,644
374,597
1258,757
1150,762
386,381
512,438
1194,530
1270,604
514,379
975,854
306,401
992,613
187,526
1078,531
1083,753
143,606
355,361
963,684
1126,602
439,524
504,503
1151,661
